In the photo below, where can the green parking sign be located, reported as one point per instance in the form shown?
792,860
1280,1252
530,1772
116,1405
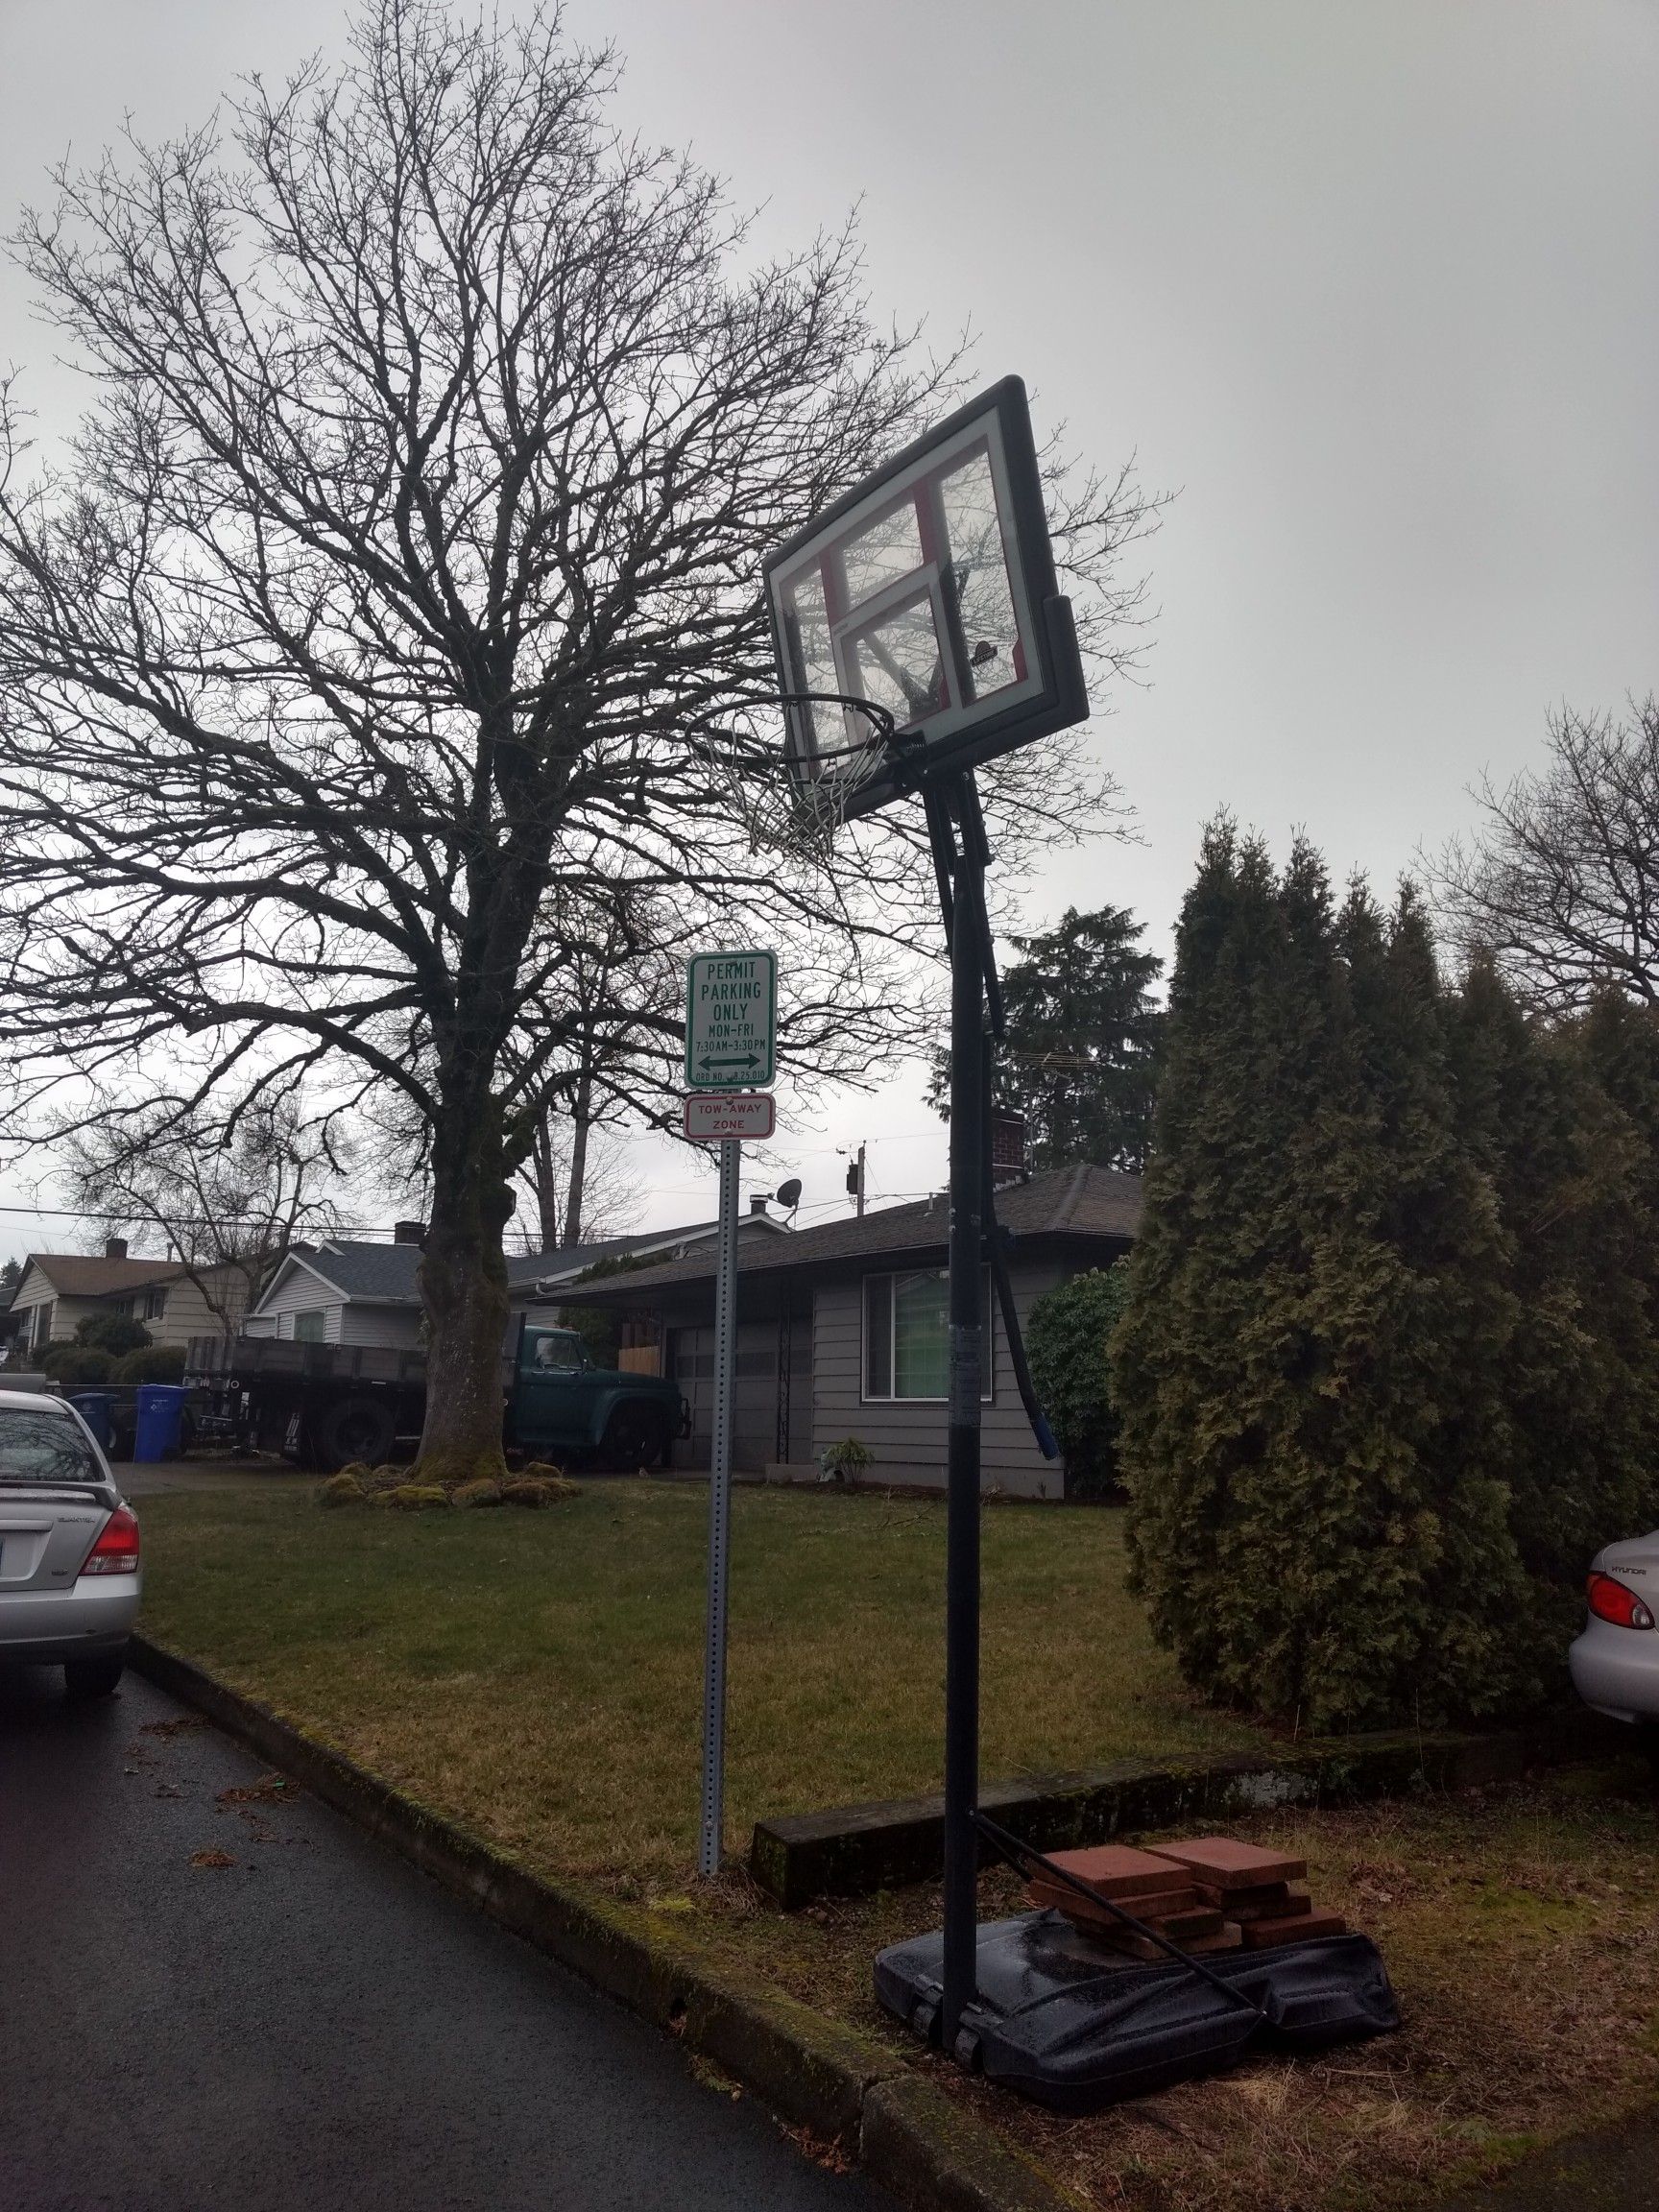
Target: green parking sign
730,1021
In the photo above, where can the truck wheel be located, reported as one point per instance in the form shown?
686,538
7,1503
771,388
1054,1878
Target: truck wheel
634,1436
354,1429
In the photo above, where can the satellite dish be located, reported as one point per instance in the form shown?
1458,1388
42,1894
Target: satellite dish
789,1194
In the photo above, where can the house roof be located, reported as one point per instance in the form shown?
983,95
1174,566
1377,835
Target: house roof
385,1274
1097,1203
83,1275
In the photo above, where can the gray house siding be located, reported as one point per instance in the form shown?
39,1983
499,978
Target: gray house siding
395,1328
906,1439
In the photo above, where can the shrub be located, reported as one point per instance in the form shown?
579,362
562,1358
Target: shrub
152,1363
846,1460
480,1492
113,1333
1067,1340
538,1491
76,1367
413,1497
342,1489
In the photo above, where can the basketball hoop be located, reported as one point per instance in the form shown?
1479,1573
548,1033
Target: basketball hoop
925,601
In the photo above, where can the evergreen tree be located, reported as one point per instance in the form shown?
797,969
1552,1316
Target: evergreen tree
1575,1177
1312,1432
1082,1037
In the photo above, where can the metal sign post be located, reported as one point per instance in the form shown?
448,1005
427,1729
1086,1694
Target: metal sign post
731,1040
720,1513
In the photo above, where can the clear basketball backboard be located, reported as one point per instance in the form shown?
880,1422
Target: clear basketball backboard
928,592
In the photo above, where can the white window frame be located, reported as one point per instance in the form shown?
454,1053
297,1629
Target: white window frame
891,1275
317,1314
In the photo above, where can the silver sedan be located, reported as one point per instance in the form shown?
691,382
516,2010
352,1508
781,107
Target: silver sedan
70,1578
1615,1661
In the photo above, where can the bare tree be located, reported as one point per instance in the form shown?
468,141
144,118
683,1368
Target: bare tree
228,1201
580,1185
403,587
1561,885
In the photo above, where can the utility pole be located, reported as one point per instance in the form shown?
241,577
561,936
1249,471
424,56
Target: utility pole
856,1181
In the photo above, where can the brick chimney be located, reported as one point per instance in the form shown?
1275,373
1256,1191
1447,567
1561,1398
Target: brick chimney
1007,1146
758,1205
409,1233
114,1247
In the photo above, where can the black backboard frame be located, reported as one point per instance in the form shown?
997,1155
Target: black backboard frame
1061,700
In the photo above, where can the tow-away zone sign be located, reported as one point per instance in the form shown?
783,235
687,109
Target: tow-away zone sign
730,1021
714,1114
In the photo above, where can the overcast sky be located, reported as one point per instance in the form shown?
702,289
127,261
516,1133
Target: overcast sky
1374,287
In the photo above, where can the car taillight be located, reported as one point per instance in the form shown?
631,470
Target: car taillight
1611,1600
116,1550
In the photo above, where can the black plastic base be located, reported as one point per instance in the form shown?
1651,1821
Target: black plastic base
1071,2024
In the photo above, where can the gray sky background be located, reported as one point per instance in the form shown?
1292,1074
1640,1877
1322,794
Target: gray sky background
1374,287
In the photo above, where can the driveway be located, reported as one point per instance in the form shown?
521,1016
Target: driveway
313,2025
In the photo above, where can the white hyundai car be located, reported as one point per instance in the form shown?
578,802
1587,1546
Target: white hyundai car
69,1570
1615,1661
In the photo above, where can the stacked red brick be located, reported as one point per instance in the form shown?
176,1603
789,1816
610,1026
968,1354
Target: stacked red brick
1259,1890
1163,1895
1211,1894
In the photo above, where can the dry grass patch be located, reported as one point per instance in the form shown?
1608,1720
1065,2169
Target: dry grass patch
1522,1932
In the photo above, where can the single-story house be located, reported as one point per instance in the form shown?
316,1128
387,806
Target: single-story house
58,1290
841,1332
342,1292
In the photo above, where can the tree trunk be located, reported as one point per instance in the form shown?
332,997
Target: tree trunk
464,1289
580,1121
544,1175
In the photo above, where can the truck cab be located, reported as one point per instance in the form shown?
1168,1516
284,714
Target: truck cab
560,1404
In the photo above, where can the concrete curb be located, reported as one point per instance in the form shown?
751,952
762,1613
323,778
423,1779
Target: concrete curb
854,1850
844,2086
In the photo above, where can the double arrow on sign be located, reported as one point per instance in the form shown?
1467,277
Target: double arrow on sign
732,1059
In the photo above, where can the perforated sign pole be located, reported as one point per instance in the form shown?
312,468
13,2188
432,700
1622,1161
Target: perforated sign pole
720,1512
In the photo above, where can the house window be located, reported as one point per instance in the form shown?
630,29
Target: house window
155,1305
907,1335
43,1324
308,1327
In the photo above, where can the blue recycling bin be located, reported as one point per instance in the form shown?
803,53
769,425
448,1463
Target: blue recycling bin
159,1421
93,1408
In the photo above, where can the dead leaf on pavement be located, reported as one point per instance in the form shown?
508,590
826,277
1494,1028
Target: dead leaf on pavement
211,1859
268,1790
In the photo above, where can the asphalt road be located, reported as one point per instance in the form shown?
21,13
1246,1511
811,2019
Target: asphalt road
314,2026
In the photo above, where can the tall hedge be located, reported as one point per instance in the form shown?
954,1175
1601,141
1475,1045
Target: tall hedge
1374,1410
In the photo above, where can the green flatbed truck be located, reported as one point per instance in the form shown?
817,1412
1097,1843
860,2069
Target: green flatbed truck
328,1406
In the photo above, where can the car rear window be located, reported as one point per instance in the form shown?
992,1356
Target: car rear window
45,1448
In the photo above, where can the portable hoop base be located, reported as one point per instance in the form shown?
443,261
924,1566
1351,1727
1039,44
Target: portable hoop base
1062,2021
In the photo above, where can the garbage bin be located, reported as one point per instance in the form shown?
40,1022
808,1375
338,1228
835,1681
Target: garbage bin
159,1421
93,1408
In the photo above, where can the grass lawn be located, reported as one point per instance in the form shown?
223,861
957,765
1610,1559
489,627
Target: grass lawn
539,1675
